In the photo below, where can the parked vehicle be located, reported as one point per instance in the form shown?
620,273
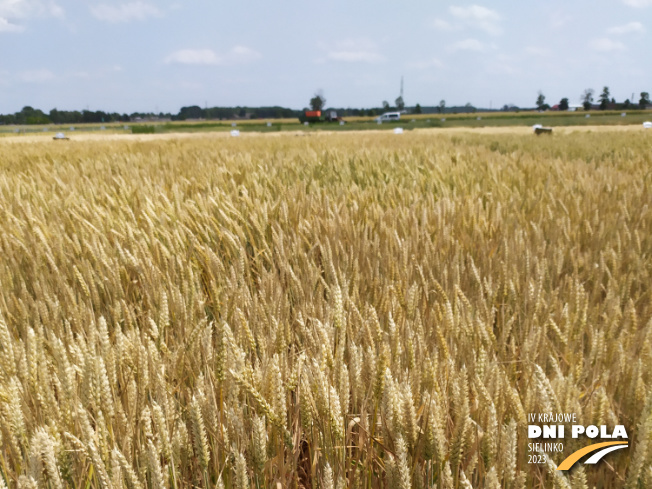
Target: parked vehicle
389,116
319,116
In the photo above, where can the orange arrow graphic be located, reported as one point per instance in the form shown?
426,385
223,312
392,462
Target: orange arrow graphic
575,456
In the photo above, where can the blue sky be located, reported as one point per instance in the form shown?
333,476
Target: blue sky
142,55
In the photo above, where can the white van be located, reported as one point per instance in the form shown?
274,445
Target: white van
389,116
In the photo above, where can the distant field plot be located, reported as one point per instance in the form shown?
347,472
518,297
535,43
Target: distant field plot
358,310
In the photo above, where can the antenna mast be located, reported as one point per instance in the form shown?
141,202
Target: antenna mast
401,86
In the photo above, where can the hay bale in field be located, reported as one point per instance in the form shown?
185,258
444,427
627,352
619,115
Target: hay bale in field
235,133
647,125
398,130
60,137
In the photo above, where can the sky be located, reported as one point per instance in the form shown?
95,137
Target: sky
142,55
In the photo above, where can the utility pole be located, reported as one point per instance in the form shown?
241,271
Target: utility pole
402,87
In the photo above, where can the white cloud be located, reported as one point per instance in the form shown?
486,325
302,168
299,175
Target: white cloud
194,57
474,12
55,10
627,28
21,9
479,17
560,19
606,45
36,76
468,45
125,12
355,51
6,26
638,3
12,11
443,25
237,55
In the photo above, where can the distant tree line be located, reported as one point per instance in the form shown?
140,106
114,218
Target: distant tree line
196,112
29,115
606,101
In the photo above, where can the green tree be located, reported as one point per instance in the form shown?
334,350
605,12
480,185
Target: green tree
441,108
318,102
29,115
645,100
385,105
541,101
417,109
192,112
626,104
400,104
604,98
587,98
563,104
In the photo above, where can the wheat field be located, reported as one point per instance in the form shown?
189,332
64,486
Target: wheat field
353,310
